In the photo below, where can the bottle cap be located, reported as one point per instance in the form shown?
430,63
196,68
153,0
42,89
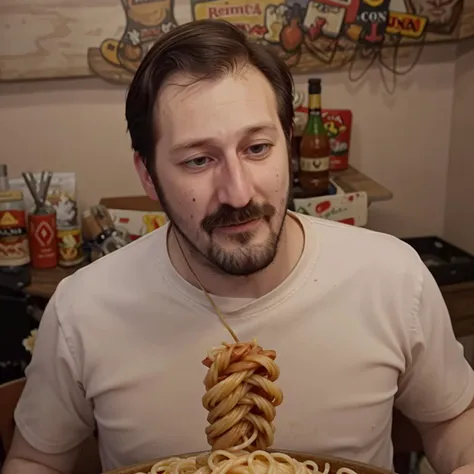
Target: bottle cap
314,86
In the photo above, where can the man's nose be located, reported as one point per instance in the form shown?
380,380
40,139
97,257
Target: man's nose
235,185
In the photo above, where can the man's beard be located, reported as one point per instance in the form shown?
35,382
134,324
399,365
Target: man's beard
244,261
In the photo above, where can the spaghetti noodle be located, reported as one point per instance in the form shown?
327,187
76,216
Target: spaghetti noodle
225,462
241,396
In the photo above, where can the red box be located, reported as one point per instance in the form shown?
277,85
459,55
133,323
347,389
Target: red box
338,123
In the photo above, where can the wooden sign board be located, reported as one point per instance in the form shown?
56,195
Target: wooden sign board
109,38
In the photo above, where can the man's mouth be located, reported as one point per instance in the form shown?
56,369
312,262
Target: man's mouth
243,226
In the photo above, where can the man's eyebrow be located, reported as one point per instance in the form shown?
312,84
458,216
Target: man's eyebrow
200,142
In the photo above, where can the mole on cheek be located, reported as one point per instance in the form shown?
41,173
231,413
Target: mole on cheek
194,199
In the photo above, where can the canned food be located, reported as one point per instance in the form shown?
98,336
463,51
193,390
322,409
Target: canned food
70,246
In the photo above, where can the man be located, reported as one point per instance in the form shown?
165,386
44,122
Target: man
355,317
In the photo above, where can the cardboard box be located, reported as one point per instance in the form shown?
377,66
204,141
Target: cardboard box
137,223
139,215
347,208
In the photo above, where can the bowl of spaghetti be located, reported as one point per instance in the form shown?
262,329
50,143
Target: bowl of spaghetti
257,462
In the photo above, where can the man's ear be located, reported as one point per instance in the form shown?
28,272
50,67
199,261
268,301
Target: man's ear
144,176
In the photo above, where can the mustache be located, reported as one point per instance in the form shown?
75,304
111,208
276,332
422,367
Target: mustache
227,215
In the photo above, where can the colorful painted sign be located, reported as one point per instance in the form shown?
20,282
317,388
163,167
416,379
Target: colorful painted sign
146,21
306,34
109,38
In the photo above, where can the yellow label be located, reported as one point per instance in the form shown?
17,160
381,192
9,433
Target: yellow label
8,219
406,24
154,221
11,195
314,165
314,101
69,244
244,13
373,3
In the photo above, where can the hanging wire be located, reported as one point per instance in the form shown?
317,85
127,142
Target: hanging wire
374,53
395,70
370,52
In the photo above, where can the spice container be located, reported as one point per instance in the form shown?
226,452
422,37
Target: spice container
14,250
70,251
42,235
100,230
42,224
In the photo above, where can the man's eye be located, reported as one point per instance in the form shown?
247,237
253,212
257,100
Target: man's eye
198,162
258,149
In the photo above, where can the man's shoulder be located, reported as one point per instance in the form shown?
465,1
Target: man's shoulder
124,271
386,275
350,245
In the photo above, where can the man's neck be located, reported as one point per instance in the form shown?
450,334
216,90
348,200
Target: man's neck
288,254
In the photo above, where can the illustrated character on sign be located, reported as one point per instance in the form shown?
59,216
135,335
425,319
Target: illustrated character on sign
275,20
443,15
334,128
147,20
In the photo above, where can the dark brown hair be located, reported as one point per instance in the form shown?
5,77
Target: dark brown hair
205,49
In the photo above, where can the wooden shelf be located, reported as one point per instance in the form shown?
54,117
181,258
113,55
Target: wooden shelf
352,180
44,282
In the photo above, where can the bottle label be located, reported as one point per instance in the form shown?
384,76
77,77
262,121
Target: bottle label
43,240
69,246
13,238
314,103
314,165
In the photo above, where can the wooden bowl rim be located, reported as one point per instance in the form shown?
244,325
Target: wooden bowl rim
359,467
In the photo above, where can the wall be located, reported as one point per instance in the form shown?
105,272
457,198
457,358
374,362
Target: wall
459,216
79,125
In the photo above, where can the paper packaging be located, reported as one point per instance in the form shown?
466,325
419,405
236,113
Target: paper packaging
347,208
137,223
61,196
137,215
338,124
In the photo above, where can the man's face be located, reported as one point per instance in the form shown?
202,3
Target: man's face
223,167
442,15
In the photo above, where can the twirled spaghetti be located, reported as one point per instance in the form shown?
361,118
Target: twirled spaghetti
241,396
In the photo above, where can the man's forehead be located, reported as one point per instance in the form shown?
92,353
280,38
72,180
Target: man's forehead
200,104
183,84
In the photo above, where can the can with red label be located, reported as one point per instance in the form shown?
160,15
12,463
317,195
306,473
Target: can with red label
43,239
13,232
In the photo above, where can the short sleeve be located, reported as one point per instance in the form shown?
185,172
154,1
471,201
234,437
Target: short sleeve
53,414
438,383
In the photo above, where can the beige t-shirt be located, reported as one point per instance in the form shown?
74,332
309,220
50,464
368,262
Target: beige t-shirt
358,326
